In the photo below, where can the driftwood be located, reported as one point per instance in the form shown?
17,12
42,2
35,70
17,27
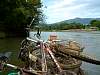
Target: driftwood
52,50
73,50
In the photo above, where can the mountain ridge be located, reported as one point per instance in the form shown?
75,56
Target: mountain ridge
85,21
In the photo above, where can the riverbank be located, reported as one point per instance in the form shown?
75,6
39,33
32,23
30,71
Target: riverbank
91,42
7,35
81,30
70,30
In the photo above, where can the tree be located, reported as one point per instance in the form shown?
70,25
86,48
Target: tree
92,22
15,15
95,23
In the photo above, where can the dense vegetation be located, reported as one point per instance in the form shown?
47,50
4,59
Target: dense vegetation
15,15
62,26
67,25
95,23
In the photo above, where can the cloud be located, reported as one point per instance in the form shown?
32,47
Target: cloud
58,10
60,3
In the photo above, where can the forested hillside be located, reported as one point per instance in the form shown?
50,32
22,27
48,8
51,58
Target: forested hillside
73,24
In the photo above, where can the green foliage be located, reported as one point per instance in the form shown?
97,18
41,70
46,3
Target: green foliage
95,23
15,15
62,26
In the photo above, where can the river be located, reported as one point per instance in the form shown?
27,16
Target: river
90,40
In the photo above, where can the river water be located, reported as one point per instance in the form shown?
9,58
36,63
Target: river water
90,40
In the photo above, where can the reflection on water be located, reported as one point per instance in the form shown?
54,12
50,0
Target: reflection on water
91,41
11,45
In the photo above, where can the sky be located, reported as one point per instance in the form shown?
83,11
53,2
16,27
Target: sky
60,10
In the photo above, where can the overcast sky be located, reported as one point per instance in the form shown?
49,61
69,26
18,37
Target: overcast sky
59,10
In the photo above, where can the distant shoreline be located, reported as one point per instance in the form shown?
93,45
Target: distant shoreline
3,35
79,30
70,30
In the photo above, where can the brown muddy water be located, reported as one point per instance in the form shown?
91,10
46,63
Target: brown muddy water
90,40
